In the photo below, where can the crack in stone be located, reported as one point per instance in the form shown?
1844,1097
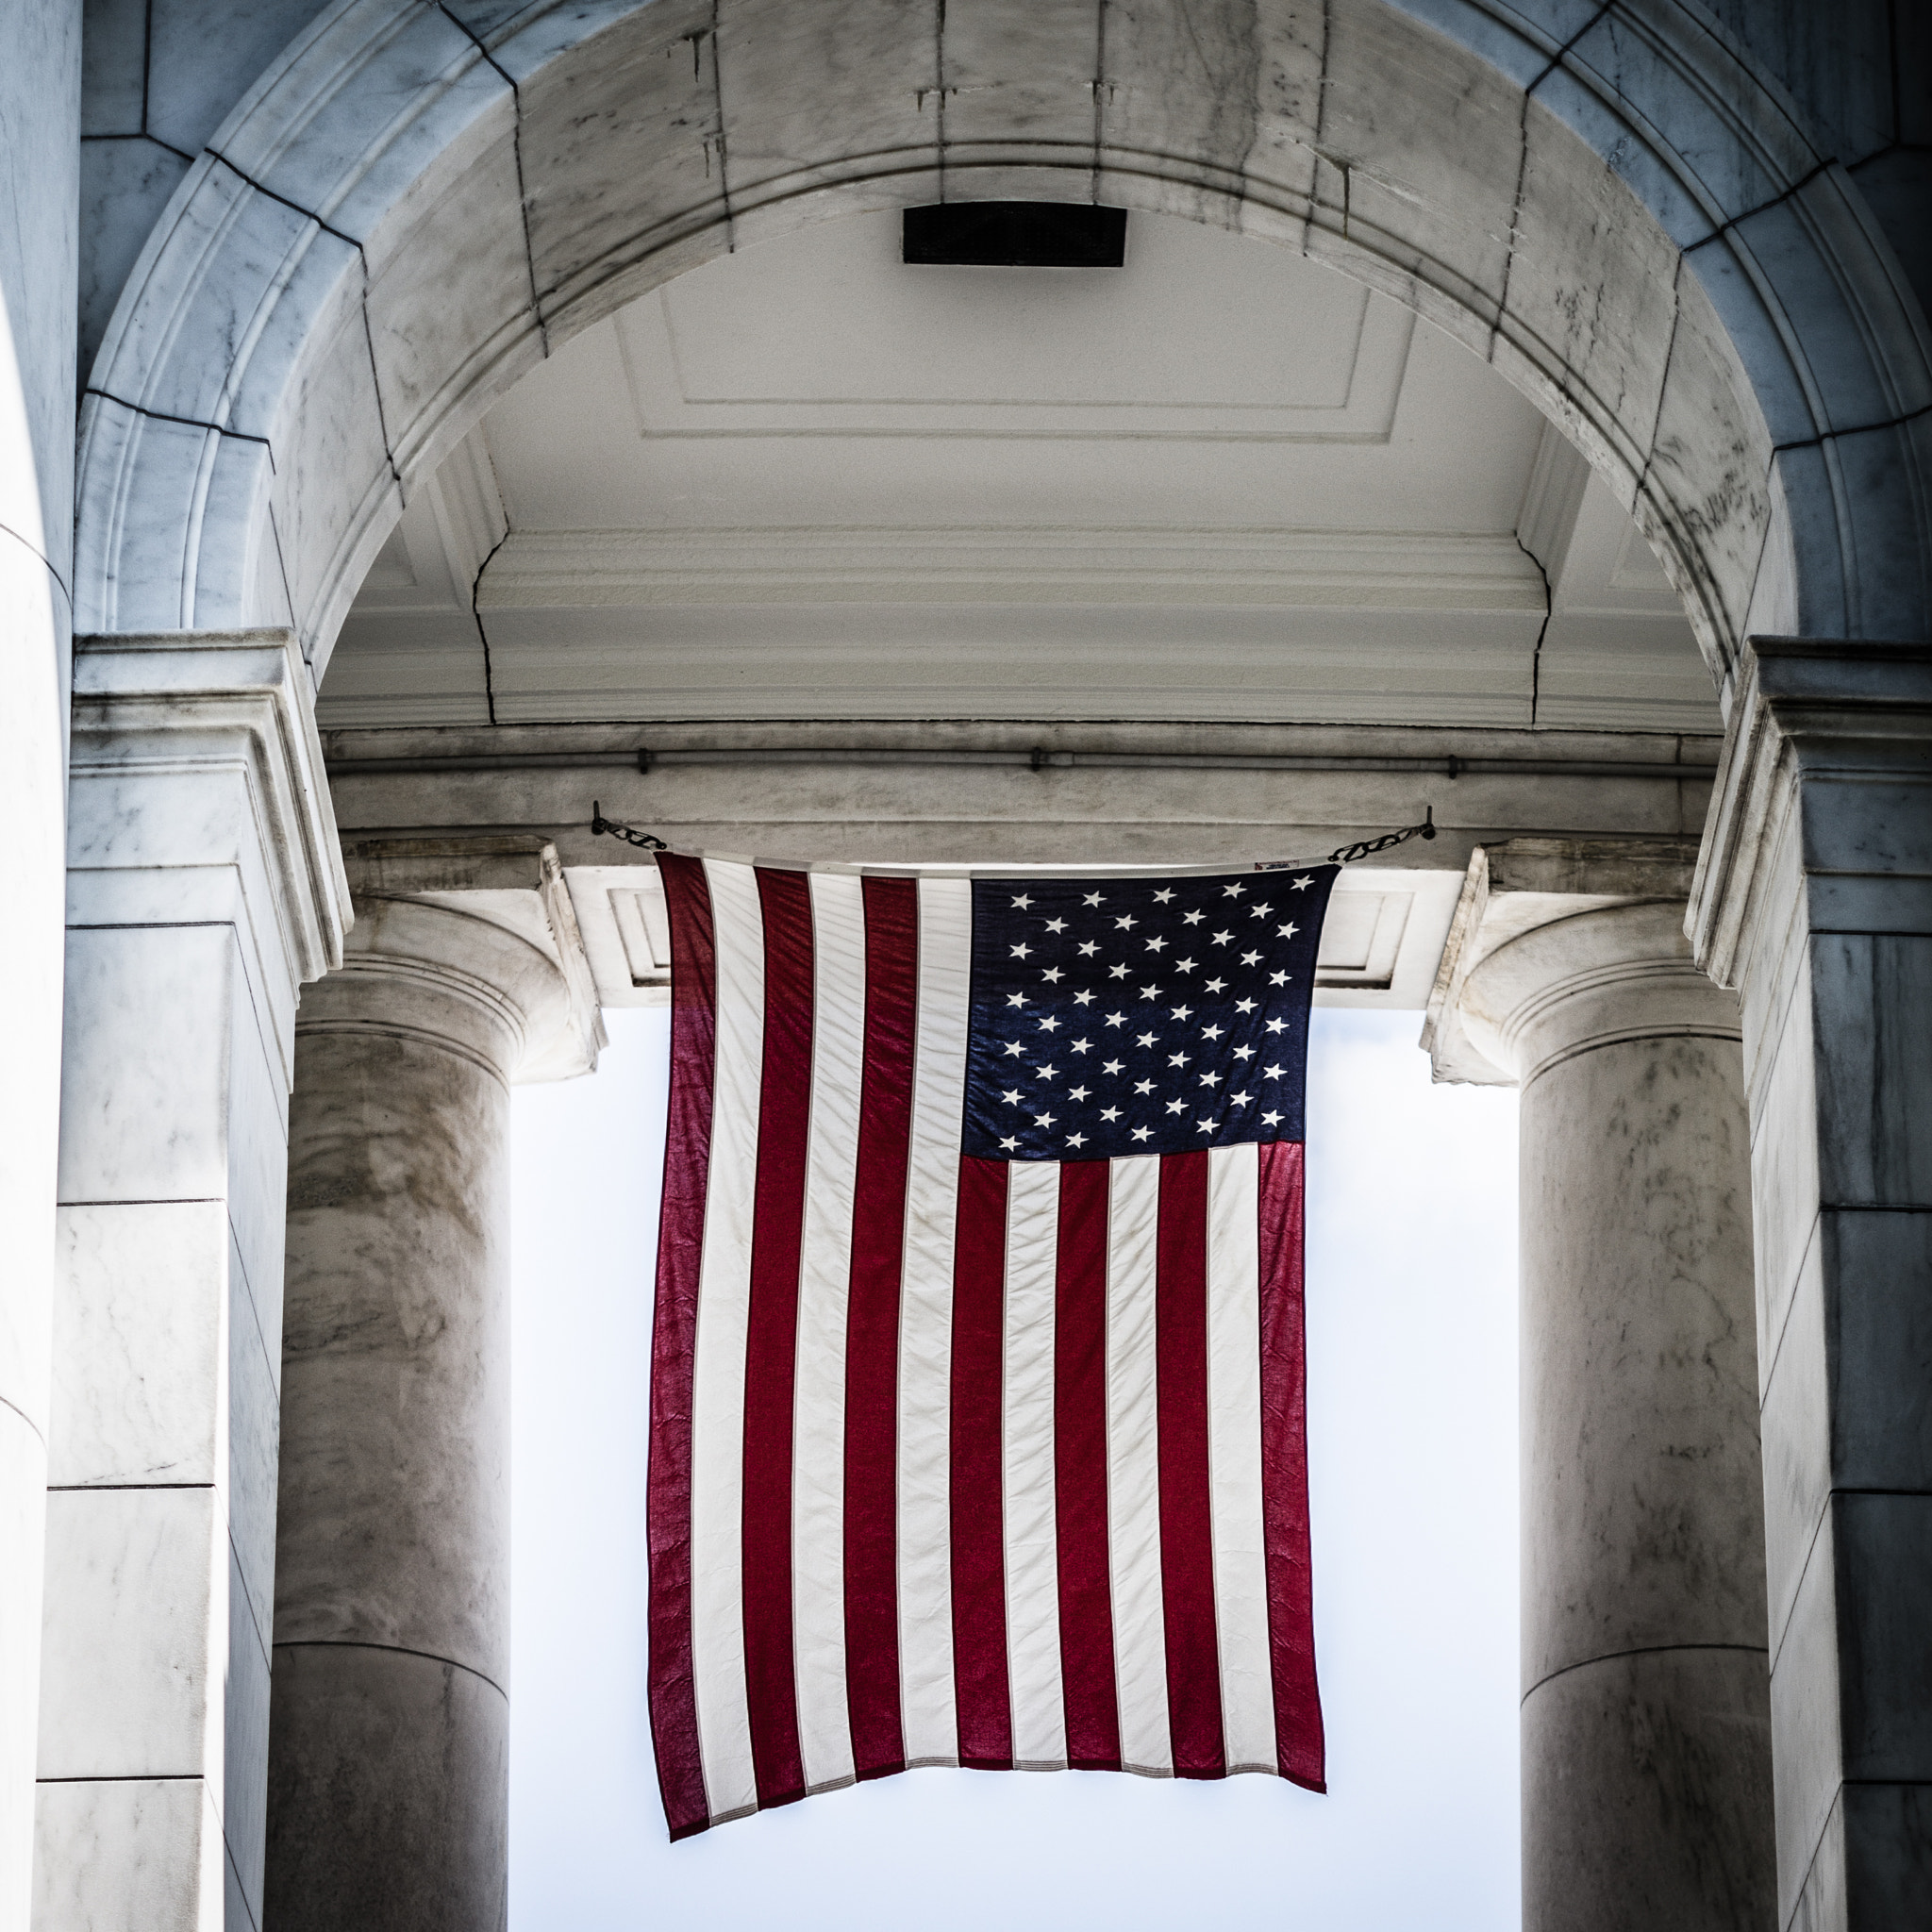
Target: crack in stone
1877,154
308,214
1321,133
388,454
140,134
1730,222
516,141
938,89
1554,61
376,383
282,565
1535,656
718,110
1663,386
1825,436
1857,429
187,422
482,632
1099,89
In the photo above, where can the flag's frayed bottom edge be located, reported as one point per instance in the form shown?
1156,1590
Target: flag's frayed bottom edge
839,1784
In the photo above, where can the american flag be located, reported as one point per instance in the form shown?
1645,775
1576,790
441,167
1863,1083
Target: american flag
976,1405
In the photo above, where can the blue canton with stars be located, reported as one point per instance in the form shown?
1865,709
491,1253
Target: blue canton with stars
1139,1015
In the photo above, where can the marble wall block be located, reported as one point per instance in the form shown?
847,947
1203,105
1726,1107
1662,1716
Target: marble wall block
1815,897
137,1853
778,65
193,914
39,112
33,614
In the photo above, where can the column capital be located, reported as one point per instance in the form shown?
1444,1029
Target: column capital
197,795
470,941
1558,944
1851,715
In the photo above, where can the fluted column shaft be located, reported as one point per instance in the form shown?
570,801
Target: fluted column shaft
389,1770
1646,1756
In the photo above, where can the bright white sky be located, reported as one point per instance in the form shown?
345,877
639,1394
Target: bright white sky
1412,1453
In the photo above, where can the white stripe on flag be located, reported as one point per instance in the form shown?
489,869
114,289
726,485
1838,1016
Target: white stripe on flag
717,1637
1027,1446
1234,1456
818,1438
1133,1465
926,1324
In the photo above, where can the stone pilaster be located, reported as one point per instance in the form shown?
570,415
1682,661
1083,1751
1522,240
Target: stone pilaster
40,159
204,888
1814,900
1647,1797
389,1806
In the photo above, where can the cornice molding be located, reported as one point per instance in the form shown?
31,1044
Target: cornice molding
151,707
1801,708
1533,931
1041,564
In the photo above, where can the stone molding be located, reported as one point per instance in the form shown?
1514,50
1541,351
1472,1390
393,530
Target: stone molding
1544,923
1850,713
1589,979
472,943
1277,569
197,791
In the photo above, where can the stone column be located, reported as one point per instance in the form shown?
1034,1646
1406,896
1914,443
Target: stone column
388,1787
1646,1773
203,886
1814,899
40,161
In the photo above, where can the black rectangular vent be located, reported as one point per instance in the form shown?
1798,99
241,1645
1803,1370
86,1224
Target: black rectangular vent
1016,234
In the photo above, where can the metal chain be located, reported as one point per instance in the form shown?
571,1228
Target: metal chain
1347,855
629,834
1342,855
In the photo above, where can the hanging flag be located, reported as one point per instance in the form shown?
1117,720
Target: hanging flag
976,1404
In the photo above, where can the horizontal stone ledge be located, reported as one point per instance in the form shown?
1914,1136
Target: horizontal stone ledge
645,760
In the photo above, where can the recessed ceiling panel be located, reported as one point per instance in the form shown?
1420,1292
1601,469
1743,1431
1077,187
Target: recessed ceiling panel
826,332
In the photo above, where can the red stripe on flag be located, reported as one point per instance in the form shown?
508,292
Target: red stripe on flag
871,1329
979,1565
1079,1421
1285,1470
771,1346
1187,1549
673,1342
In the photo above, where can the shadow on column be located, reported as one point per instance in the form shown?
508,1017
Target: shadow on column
389,1729
1646,1736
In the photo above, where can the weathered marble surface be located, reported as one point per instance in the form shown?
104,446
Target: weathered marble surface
1814,898
32,638
1606,203
1645,1721
205,885
39,108
388,1768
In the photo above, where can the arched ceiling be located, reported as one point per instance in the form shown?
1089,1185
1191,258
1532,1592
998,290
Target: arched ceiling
808,481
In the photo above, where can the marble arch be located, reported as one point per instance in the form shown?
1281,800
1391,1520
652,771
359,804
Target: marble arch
1676,253
416,202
